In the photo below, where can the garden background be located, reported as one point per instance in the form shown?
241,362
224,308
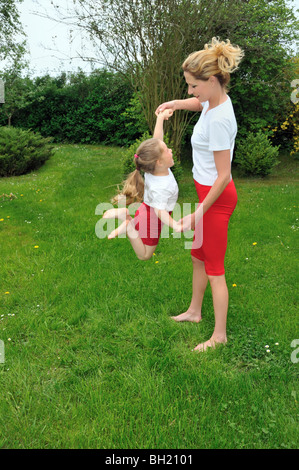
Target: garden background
92,357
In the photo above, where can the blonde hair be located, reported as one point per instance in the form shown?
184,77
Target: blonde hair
218,58
145,160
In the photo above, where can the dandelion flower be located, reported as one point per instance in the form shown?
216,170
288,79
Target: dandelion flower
36,246
6,293
234,285
254,243
1,220
156,262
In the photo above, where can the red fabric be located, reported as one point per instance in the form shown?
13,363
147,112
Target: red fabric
215,225
148,225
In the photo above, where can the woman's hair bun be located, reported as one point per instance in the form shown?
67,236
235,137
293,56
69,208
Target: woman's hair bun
229,56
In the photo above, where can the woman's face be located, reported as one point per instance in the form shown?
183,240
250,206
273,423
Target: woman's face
201,89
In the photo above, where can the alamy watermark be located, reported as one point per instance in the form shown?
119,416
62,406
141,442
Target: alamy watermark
295,353
2,352
295,93
105,226
2,93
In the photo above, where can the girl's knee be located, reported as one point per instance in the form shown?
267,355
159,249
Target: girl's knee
145,257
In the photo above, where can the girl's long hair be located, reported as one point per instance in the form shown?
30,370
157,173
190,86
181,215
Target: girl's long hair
218,58
145,160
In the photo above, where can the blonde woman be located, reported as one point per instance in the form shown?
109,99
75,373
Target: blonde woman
158,191
207,74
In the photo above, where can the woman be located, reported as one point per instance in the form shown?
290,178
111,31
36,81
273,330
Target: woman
207,74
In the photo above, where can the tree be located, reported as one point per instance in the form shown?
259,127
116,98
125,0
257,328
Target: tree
10,27
147,41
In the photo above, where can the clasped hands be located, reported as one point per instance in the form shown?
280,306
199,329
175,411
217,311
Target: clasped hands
185,224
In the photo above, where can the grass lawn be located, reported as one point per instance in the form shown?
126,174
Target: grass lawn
92,358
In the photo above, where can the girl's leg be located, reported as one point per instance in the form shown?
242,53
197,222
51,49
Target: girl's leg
199,284
220,302
143,252
120,213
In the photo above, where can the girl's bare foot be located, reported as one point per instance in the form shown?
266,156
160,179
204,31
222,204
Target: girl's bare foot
211,343
119,230
121,214
190,315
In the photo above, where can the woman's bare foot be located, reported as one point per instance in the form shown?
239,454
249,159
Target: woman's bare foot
119,230
120,214
190,315
211,343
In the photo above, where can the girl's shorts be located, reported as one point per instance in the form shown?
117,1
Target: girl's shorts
215,225
148,225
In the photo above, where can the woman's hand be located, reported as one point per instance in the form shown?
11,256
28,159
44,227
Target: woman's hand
185,224
166,105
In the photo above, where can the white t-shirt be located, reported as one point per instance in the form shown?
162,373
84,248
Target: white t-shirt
215,130
160,192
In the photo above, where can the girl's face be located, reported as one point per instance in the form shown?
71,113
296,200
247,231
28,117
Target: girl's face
166,156
201,89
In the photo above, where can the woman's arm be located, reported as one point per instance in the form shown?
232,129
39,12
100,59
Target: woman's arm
189,104
223,166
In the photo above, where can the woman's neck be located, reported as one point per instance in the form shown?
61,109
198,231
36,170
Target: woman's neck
218,98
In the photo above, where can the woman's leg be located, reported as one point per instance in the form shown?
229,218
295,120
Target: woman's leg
199,284
220,302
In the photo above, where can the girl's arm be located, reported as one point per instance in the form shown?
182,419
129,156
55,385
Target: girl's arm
161,117
166,219
189,104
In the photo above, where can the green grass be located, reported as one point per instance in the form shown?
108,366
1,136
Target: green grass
92,358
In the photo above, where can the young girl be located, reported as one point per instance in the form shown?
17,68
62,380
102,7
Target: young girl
158,190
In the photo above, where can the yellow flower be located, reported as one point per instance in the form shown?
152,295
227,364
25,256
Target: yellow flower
36,246
1,220
156,262
234,285
6,293
254,243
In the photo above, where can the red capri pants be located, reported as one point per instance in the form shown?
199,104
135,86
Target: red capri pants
215,225
148,224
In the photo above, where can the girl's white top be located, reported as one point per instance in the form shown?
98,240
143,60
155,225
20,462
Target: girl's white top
215,130
160,192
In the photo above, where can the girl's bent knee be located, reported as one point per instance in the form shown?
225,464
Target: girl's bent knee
145,257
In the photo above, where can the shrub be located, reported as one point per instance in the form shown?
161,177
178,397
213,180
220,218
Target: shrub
22,151
287,132
255,155
128,157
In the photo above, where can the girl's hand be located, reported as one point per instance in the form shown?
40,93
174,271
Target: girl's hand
166,105
166,114
186,223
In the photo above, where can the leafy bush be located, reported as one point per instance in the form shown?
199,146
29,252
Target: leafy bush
255,155
22,151
79,109
128,157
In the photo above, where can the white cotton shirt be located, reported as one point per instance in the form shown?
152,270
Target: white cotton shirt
215,130
160,192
